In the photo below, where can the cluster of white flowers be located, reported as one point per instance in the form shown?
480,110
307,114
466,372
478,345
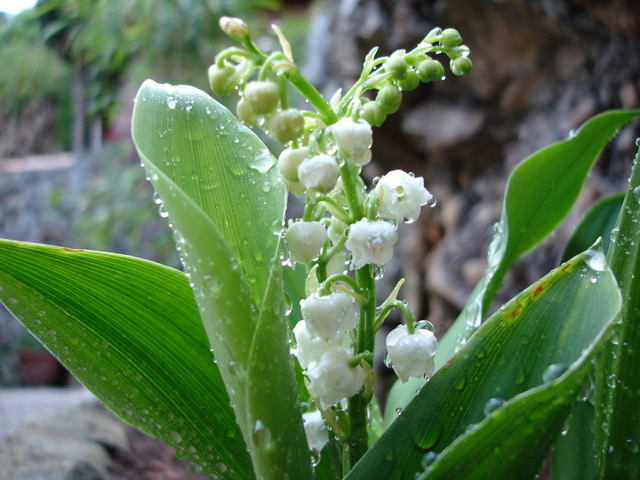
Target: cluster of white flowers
323,338
323,347
347,231
398,195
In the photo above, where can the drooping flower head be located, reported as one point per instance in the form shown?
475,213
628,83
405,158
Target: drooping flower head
305,239
315,429
310,348
371,242
401,195
318,174
326,315
354,139
411,354
333,378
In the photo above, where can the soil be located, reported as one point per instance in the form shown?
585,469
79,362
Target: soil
150,459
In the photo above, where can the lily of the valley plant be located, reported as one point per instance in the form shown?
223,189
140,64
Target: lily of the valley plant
257,361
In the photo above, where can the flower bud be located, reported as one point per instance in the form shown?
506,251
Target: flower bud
450,38
401,196
328,314
371,242
461,66
286,125
389,98
221,79
262,96
305,239
352,138
245,113
309,348
333,378
234,27
336,230
373,114
397,66
411,354
315,430
411,81
337,264
430,70
289,161
319,173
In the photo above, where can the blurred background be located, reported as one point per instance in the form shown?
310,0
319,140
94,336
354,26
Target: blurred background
69,70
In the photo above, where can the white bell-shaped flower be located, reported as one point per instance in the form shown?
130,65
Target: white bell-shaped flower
315,429
371,242
289,161
333,378
305,239
318,174
411,354
310,348
353,139
401,196
326,315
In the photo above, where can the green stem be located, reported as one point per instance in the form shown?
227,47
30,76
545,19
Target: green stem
308,91
351,191
358,405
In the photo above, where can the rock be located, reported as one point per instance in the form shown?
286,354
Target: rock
71,443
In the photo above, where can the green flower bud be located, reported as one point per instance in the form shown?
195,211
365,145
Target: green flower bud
286,125
234,27
397,66
245,113
373,113
411,81
451,38
461,66
389,98
430,70
262,96
289,161
221,79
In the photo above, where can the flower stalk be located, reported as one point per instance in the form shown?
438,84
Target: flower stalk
325,152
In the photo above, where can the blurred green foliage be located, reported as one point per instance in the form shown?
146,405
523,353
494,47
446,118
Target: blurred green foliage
29,68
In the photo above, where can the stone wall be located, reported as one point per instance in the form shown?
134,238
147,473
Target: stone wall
541,68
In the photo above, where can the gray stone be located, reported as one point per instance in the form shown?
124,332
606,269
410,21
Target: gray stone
66,442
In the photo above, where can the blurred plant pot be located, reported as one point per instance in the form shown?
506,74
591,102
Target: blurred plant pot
38,367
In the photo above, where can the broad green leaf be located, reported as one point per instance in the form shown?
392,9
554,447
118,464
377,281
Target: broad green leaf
539,193
514,440
546,326
130,331
219,187
598,222
219,165
573,455
617,426
573,452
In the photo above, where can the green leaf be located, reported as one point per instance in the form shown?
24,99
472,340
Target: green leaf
218,184
617,426
546,326
573,456
130,331
598,222
514,440
539,193
573,452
